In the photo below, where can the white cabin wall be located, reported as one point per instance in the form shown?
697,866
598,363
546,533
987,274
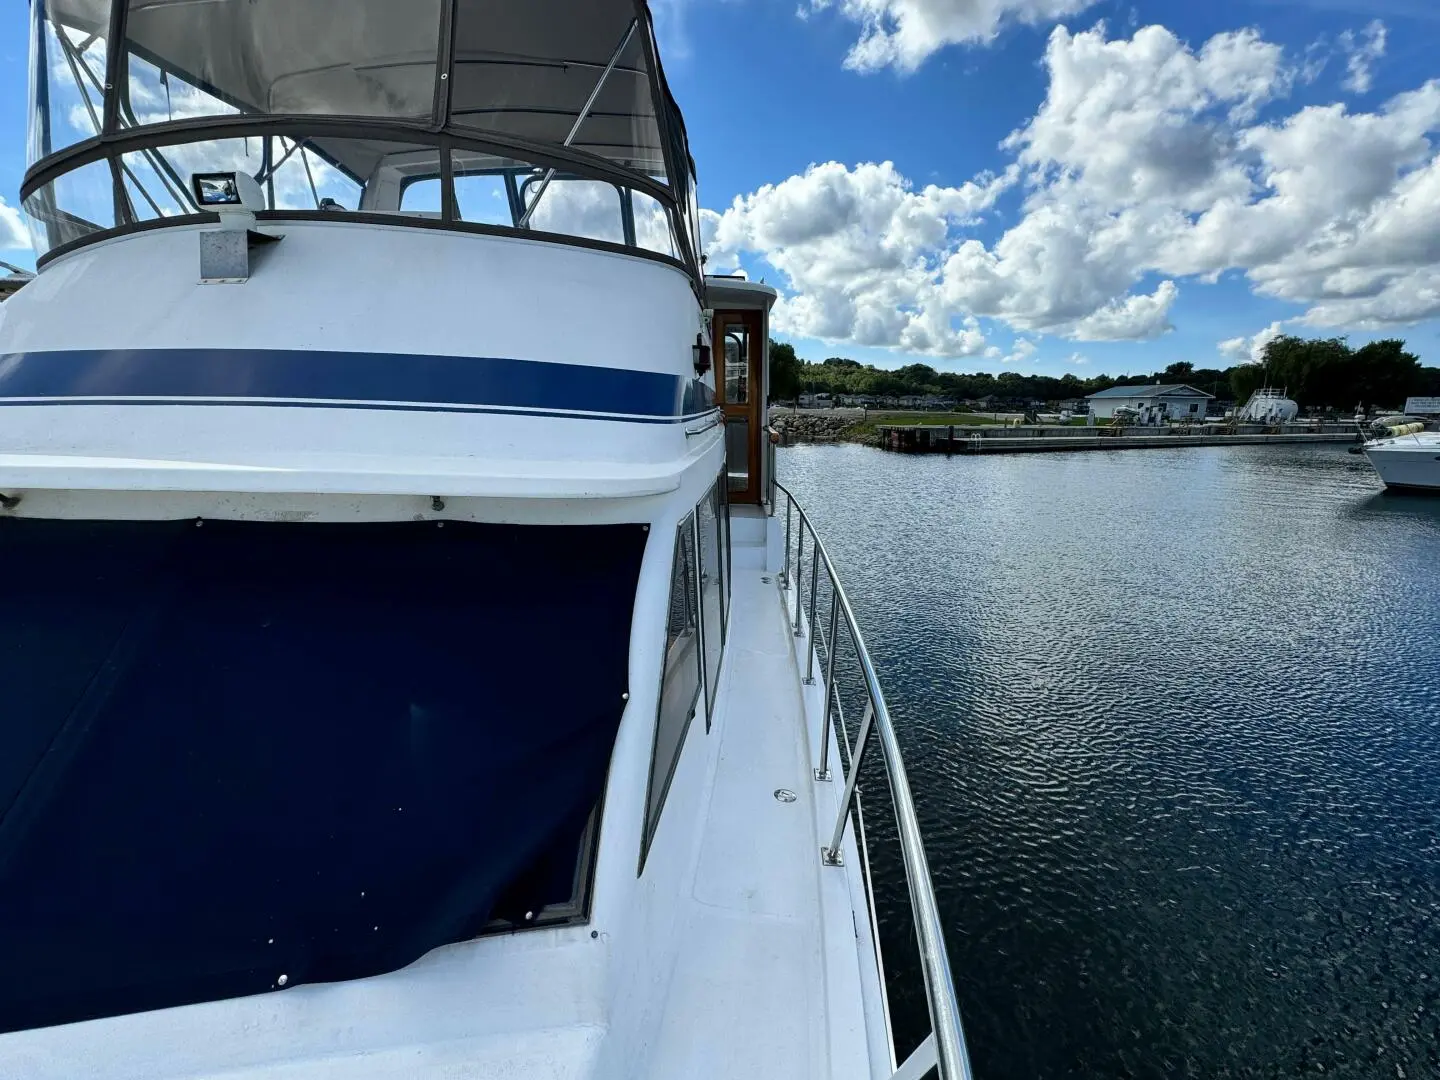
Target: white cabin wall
635,913
352,287
353,291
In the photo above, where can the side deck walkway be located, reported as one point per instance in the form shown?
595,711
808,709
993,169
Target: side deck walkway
771,955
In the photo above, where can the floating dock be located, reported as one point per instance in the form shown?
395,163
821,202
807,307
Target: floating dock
958,439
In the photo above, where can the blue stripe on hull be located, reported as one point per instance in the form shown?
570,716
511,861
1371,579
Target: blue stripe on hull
339,380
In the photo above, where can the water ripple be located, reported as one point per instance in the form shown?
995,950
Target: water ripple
1173,723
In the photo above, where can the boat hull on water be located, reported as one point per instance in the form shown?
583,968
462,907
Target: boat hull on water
300,771
1408,462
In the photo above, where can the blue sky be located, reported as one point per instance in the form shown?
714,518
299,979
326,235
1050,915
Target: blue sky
1079,187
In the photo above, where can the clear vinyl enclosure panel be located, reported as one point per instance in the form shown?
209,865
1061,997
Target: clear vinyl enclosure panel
549,116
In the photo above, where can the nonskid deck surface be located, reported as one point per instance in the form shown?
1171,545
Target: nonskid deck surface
767,982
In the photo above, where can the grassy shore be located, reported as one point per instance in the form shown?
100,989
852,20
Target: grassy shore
931,418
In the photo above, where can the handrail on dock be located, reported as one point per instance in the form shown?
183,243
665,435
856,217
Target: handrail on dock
945,1047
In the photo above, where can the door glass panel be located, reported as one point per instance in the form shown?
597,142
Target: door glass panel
737,364
737,450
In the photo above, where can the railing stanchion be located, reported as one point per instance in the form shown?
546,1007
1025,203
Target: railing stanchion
799,571
831,854
946,1047
785,558
832,647
814,591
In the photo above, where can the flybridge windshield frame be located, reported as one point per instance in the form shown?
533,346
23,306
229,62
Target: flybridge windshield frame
122,132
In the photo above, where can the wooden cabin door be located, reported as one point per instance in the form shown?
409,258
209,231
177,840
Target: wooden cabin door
739,351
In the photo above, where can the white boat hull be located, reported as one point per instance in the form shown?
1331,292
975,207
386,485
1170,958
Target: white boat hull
1407,463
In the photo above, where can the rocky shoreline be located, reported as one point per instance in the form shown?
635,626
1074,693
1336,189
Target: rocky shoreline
817,427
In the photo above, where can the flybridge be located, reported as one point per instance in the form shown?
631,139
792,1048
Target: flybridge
543,118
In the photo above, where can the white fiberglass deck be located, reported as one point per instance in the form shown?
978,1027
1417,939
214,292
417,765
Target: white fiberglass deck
771,952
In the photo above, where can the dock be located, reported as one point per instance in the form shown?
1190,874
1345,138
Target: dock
960,439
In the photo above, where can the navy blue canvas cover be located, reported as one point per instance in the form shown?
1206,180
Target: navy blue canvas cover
235,752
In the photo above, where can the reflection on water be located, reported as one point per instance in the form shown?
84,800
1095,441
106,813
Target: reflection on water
1173,722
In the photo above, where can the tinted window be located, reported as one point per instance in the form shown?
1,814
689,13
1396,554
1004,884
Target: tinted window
712,589
680,684
722,495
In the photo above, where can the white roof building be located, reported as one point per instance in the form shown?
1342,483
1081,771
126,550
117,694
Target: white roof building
1175,400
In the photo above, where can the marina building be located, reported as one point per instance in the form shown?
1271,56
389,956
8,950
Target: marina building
1175,401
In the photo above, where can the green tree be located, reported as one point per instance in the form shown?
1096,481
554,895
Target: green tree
1313,372
785,371
1318,372
1385,374
1244,380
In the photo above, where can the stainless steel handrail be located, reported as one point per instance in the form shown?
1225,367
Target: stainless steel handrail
947,1042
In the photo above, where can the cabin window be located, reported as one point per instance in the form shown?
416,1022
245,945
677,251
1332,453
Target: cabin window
72,206
680,682
422,197
712,592
483,198
590,209
653,229
293,174
574,82
723,494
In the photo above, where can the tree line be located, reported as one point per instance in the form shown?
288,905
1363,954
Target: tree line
1319,373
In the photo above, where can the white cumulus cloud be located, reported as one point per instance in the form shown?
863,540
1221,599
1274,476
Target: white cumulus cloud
1150,166
858,248
903,34
1360,55
1250,349
1134,317
1022,350
13,234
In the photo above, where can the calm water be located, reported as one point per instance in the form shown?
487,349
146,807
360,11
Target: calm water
1173,722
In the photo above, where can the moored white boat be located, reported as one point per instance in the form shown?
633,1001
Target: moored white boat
412,665
1409,462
